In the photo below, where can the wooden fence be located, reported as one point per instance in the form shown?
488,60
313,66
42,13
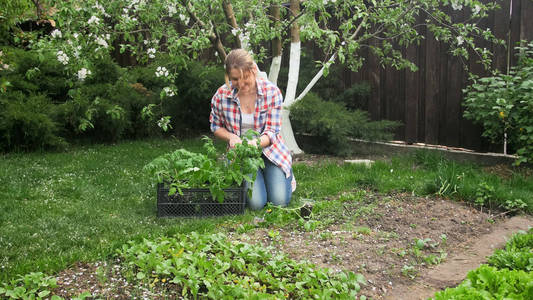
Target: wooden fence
428,101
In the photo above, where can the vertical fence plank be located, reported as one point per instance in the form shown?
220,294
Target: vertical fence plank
501,29
411,89
432,89
526,23
515,29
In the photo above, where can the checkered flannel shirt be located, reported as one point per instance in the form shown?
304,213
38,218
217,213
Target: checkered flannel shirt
226,113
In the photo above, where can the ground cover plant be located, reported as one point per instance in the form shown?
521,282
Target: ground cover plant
83,204
508,277
212,266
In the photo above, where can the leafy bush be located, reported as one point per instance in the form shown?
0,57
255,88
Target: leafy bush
212,267
332,124
517,255
489,283
503,105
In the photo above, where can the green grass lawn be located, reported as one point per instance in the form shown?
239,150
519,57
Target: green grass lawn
82,204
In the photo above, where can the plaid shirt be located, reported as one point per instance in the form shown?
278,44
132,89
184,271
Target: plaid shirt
226,113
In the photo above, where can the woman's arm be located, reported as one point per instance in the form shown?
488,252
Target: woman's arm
273,118
223,134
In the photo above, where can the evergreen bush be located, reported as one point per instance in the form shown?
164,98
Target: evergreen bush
190,108
26,123
332,124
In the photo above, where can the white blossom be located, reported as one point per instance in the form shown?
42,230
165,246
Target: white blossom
151,52
169,91
100,8
145,42
100,41
476,9
62,57
161,71
184,18
56,33
5,66
460,40
75,35
172,10
82,74
235,31
93,19
456,5
163,122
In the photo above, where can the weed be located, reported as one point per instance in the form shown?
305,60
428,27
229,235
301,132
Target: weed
326,235
485,195
409,271
443,239
363,230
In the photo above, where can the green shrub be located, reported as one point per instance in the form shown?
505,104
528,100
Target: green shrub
332,124
503,105
26,123
34,73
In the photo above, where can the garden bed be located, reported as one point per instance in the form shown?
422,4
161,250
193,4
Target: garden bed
375,237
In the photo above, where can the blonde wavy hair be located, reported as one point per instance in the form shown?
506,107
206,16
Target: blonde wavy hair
241,60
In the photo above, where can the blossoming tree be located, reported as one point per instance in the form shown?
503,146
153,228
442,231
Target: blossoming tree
183,29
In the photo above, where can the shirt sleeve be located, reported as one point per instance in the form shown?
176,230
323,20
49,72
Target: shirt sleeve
214,117
273,120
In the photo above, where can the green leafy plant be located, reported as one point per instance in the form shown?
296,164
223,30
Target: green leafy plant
517,255
485,195
183,169
34,285
211,266
502,105
490,283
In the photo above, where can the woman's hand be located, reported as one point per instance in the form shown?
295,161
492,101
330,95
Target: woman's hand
233,140
254,142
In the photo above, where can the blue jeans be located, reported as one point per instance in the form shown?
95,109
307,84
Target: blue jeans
270,185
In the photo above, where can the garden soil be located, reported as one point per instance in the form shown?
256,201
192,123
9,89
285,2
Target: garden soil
384,255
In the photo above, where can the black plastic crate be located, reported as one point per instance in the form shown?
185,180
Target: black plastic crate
199,202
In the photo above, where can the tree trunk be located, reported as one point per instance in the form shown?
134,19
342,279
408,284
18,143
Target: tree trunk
294,66
230,18
276,47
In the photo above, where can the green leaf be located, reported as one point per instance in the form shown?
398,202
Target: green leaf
141,275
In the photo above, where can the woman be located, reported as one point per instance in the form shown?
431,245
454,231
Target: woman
246,102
